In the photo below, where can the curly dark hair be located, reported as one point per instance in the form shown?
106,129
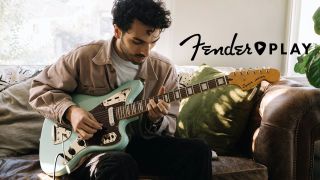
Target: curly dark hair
150,12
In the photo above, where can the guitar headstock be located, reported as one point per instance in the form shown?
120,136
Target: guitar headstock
249,78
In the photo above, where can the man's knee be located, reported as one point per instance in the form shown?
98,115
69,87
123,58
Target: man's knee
116,165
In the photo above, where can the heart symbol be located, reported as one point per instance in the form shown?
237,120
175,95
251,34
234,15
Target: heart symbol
260,47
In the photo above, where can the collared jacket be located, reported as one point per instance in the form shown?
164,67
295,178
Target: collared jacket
88,70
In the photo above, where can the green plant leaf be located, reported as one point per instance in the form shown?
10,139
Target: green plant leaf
300,66
313,71
305,59
316,20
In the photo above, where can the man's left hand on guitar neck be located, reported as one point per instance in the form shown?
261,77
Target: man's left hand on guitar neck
157,110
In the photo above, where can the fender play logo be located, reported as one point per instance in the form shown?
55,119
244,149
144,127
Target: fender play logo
259,47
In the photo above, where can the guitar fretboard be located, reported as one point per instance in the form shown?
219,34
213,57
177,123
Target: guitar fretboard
138,107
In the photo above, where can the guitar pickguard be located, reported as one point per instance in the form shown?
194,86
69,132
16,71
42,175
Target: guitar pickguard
105,113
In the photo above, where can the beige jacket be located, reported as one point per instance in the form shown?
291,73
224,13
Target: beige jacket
88,70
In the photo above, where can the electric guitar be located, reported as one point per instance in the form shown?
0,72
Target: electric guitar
61,151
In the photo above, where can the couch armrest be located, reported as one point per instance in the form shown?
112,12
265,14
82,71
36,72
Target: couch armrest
290,124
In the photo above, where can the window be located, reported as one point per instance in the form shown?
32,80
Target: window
38,32
301,29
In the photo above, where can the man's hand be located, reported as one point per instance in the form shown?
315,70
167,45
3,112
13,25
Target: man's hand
82,122
158,110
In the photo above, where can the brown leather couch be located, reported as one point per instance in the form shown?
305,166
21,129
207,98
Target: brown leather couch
283,128
290,125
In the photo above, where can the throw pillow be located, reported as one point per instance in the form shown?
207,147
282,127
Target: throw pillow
219,116
10,75
20,125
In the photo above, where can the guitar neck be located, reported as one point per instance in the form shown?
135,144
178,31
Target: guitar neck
139,107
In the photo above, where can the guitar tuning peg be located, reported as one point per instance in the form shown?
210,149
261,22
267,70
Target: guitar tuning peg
268,69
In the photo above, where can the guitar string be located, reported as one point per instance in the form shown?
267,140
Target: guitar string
128,109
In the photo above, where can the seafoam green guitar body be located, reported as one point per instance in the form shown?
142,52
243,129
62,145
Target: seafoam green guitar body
57,140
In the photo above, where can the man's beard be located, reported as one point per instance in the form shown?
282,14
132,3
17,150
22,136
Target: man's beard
128,56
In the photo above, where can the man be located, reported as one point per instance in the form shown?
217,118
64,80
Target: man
100,67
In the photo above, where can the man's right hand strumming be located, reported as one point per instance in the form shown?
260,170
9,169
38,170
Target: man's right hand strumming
82,122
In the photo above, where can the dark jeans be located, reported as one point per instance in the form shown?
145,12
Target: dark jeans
159,156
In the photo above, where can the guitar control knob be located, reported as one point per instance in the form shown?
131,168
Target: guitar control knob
72,151
81,142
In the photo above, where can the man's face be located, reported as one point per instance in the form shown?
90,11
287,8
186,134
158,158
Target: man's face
136,44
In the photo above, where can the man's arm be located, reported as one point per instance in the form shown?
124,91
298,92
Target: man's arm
162,115
49,90
49,95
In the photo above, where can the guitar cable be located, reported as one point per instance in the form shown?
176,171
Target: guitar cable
55,164
60,154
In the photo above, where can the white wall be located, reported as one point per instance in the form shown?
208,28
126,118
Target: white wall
217,21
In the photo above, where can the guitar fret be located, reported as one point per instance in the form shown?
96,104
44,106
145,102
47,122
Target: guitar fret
123,111
120,113
189,90
177,94
127,111
117,112
212,83
141,106
136,107
183,93
133,109
171,96
204,86
221,81
166,98
196,88
146,104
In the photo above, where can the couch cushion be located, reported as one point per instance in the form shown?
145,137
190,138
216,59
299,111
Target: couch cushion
10,75
20,125
231,168
24,167
225,168
219,116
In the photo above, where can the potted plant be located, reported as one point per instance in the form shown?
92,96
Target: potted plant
309,64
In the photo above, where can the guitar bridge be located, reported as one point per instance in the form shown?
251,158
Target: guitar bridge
60,134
